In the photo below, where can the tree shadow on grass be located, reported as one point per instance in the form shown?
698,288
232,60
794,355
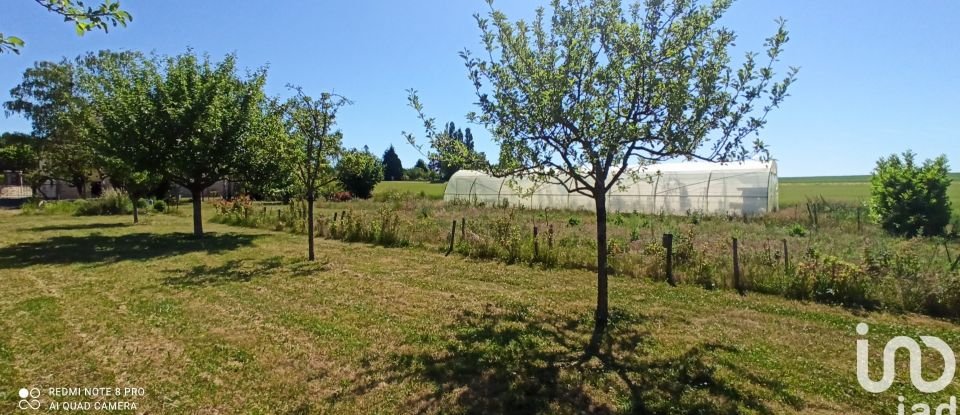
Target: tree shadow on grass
236,270
240,270
78,227
509,361
101,249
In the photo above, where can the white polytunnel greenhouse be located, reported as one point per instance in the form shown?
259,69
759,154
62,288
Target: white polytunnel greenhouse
748,187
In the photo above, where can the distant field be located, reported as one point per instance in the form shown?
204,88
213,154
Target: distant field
826,179
840,179
850,189
793,193
432,190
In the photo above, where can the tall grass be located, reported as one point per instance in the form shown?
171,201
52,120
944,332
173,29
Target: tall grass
111,203
833,261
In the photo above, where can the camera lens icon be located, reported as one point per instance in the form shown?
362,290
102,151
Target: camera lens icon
28,398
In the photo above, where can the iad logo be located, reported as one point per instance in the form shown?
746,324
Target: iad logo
890,355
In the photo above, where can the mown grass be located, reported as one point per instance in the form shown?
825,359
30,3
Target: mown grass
239,322
430,190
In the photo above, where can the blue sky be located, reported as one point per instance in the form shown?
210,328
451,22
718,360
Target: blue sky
876,77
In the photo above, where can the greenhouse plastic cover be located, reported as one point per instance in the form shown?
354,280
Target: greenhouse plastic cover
749,187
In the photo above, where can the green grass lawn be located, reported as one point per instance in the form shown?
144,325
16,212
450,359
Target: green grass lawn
848,189
240,323
865,178
431,190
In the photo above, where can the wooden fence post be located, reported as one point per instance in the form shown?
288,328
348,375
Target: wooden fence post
550,237
334,216
668,245
956,261
786,257
453,235
816,216
536,243
736,269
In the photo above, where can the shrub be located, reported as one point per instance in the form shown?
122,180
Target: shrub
160,206
359,171
423,212
908,199
239,212
341,197
683,249
617,219
387,229
32,206
240,206
797,230
695,217
573,221
828,279
112,203
117,204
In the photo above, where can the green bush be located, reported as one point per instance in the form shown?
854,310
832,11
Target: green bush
797,230
112,203
45,207
160,206
31,206
358,172
909,199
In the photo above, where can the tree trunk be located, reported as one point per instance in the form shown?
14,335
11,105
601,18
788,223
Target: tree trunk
136,218
197,215
81,186
602,312
310,255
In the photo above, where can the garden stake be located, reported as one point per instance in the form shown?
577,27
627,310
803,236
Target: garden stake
668,246
736,269
453,234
